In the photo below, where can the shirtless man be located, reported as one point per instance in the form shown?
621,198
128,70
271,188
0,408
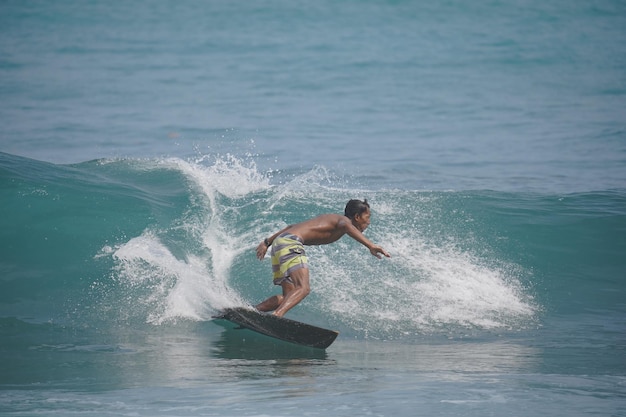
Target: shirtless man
289,262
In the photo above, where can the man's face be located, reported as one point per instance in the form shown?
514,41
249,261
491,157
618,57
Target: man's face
362,220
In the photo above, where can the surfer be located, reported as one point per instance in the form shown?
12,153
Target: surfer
289,263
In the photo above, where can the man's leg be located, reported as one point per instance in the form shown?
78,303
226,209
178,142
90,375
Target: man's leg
270,304
294,292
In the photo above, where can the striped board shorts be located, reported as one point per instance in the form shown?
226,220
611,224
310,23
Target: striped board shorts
287,256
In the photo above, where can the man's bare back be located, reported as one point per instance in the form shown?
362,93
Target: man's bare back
321,230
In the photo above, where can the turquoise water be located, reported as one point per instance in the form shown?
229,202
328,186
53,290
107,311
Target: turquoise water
148,147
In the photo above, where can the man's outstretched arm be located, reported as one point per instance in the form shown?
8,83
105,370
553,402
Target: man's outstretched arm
357,235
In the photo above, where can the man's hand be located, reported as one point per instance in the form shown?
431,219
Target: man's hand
377,250
261,250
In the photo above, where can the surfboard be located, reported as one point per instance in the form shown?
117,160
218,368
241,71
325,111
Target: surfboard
279,327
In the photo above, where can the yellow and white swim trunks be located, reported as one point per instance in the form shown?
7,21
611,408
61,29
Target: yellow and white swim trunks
287,256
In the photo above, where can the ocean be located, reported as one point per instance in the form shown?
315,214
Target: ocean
147,147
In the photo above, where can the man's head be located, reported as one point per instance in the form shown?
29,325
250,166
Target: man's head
355,207
359,212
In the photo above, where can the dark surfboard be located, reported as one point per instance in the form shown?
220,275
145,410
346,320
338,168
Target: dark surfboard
279,327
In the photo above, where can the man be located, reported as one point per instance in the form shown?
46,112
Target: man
289,262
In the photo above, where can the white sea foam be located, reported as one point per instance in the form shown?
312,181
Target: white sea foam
425,286
173,288
195,284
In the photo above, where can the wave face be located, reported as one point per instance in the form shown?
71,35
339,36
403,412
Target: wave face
152,242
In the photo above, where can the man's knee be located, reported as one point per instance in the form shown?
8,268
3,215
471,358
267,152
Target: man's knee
300,277
306,288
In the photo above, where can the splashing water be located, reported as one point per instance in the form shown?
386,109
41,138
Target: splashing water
204,260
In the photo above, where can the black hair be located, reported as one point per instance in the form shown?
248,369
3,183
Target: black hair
355,207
